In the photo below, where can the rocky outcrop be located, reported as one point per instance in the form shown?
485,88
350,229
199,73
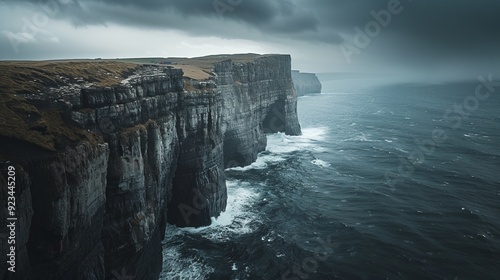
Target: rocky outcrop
94,203
258,98
305,83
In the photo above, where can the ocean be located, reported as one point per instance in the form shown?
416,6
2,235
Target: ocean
390,180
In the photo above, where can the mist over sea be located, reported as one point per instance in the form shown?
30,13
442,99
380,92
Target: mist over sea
390,180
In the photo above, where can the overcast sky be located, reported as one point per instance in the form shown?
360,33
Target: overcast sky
424,35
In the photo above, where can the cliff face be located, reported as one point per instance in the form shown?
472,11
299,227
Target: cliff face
132,158
258,98
306,83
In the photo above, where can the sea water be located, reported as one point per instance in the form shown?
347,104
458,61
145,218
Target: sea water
366,192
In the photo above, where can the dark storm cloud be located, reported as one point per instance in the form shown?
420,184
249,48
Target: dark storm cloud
425,29
281,17
280,14
267,16
461,23
454,23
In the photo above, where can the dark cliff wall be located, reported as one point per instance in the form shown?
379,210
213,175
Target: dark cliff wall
154,153
306,83
258,98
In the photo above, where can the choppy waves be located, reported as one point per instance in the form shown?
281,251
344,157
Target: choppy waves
440,222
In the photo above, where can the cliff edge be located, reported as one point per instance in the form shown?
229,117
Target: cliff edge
107,152
305,83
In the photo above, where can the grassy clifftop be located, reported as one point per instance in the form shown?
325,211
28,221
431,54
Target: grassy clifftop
25,128
33,76
29,77
23,122
197,68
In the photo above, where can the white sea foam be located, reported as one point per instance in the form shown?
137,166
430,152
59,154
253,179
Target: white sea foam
177,267
361,138
262,162
280,143
237,219
314,133
320,163
239,197
471,135
401,150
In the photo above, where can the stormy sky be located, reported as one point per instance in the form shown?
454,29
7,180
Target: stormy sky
444,36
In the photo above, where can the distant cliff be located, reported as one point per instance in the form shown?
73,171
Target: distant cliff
102,167
305,83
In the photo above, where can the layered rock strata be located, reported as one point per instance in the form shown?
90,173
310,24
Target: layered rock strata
130,158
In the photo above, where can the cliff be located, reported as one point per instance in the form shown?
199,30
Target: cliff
305,83
104,160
